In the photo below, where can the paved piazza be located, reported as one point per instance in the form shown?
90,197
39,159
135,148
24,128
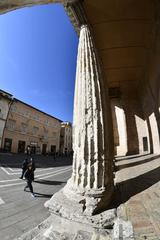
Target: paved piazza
19,211
138,179
138,193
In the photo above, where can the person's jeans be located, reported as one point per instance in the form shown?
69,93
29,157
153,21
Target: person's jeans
23,171
29,184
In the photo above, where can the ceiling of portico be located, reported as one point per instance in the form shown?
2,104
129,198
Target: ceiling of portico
124,33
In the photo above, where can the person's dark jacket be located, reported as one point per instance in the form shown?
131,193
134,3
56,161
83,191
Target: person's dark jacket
24,164
29,175
32,163
33,166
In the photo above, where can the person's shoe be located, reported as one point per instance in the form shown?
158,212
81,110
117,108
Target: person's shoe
25,188
21,177
32,194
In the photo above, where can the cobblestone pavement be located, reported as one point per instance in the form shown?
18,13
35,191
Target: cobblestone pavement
138,187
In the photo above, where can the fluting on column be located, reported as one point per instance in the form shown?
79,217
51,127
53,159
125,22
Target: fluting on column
91,167
91,183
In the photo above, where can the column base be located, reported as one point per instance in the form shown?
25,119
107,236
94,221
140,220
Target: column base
58,228
77,205
69,221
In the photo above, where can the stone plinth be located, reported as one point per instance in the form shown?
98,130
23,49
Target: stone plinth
58,228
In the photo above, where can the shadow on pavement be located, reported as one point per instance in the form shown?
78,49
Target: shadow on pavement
132,164
41,195
16,160
126,189
118,159
47,182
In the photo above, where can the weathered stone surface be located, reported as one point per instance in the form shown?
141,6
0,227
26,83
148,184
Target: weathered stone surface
83,235
54,235
58,228
36,231
91,185
122,230
9,5
73,211
92,171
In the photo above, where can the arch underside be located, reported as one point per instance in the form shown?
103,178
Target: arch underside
10,5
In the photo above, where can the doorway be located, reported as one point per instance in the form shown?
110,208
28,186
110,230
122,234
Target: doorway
44,149
21,146
53,149
7,144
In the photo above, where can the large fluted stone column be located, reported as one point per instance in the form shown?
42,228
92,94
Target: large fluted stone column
91,185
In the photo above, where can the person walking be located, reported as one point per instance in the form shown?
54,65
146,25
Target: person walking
32,162
29,178
28,150
24,167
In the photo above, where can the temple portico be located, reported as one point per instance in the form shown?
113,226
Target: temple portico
117,94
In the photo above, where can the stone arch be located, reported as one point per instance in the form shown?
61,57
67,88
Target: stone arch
10,5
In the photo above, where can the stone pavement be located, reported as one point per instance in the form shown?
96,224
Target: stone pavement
19,212
138,187
137,200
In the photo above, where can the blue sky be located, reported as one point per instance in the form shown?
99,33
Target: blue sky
38,50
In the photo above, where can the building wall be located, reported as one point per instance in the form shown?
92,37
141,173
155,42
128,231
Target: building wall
119,127
34,127
149,90
130,127
143,135
151,111
66,137
4,108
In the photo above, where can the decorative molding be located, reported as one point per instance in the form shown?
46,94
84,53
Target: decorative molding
76,14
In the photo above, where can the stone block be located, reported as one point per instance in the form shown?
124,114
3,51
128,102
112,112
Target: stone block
83,235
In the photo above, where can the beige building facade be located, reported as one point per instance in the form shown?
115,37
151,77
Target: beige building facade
5,102
29,130
66,138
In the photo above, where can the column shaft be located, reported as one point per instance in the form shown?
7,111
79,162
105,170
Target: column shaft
91,183
90,156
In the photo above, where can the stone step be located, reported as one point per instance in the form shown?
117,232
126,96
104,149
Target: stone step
59,228
30,235
80,235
